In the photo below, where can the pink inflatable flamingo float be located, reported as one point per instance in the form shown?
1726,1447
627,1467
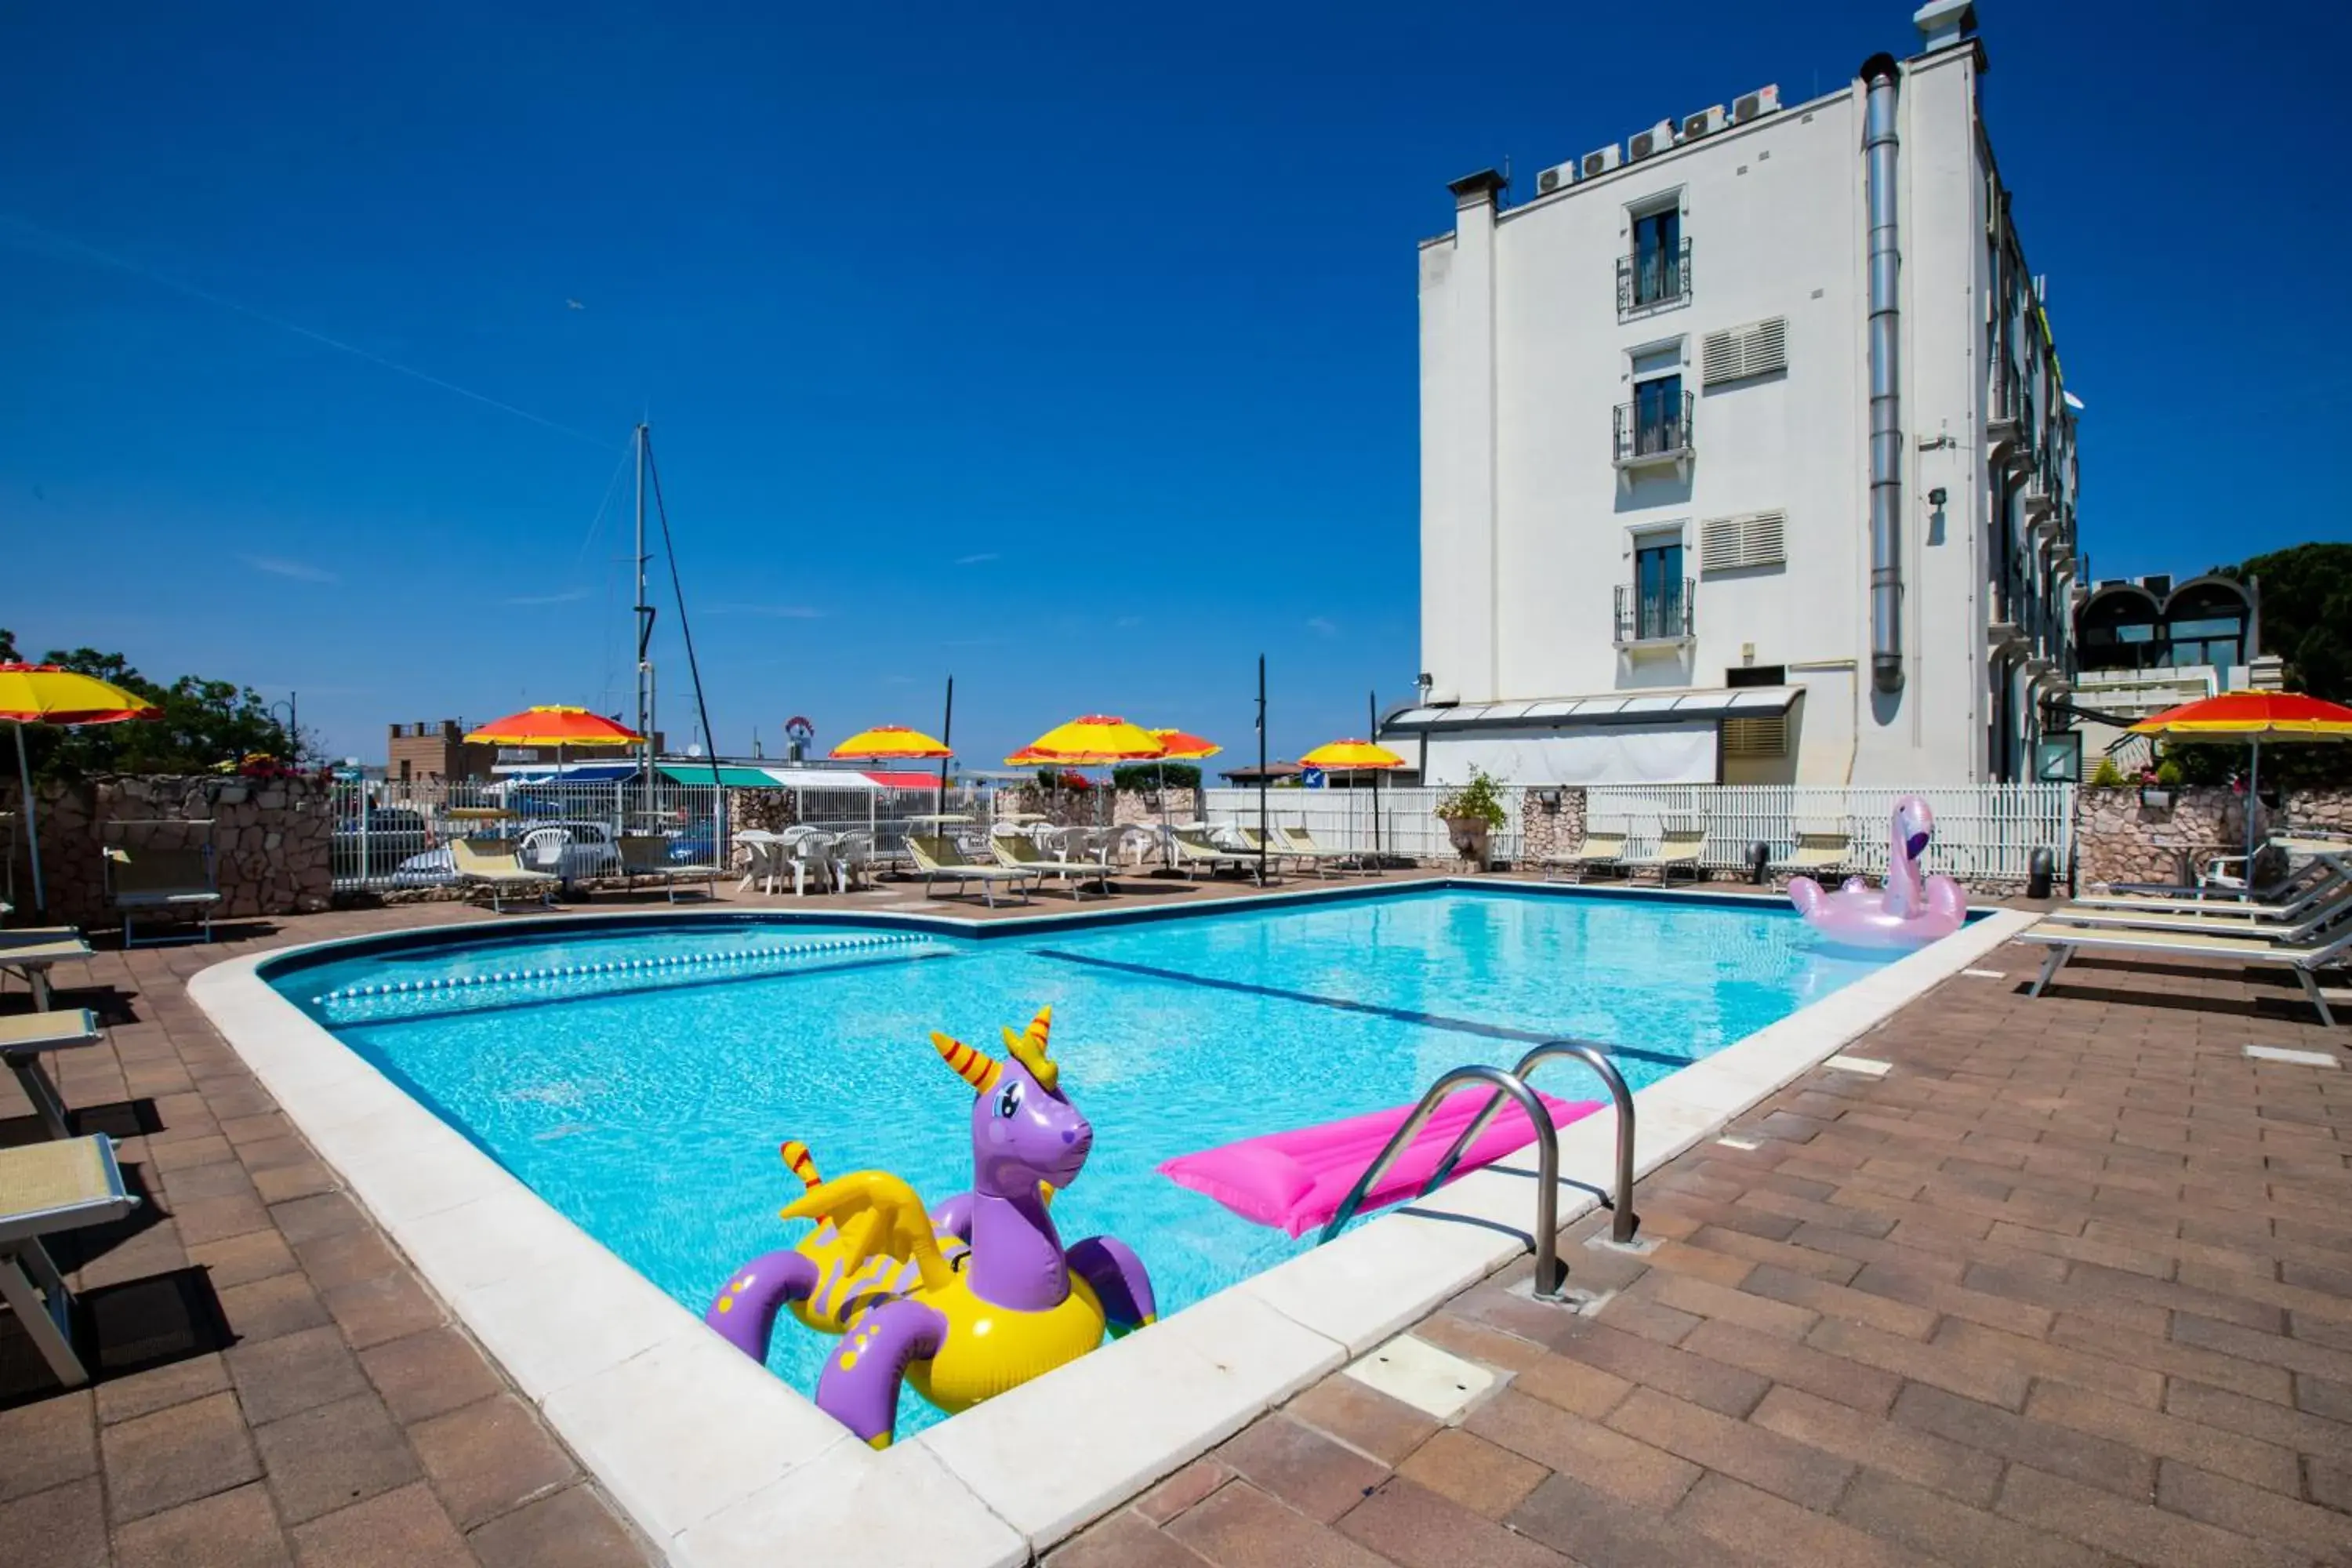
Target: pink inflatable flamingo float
1909,911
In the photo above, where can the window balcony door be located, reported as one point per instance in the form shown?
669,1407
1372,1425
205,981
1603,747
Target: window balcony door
1658,603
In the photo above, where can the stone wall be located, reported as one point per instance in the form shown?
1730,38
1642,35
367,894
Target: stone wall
270,839
2320,810
1550,829
1085,808
2117,839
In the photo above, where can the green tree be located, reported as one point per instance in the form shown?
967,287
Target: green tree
1146,775
205,724
2306,612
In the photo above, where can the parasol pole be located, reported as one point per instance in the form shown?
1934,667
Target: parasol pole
1261,769
32,823
947,740
1372,709
2253,805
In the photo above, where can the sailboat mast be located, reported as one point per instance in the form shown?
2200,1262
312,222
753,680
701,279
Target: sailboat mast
644,725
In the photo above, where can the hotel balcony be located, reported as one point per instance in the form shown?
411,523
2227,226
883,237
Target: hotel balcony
1663,619
1654,434
1653,282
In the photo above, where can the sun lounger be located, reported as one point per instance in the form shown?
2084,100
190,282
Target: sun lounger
937,858
497,863
1299,842
1019,852
24,1035
1598,849
1275,848
647,855
1817,855
2220,919
32,960
1677,847
146,879
1194,850
2306,959
45,1189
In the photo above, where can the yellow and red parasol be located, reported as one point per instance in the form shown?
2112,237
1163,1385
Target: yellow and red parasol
891,743
52,694
1357,756
554,725
1350,756
1090,742
2252,717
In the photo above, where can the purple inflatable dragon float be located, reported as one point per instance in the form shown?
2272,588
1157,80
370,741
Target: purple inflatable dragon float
964,1302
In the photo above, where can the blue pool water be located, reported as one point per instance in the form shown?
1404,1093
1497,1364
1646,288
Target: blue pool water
644,1093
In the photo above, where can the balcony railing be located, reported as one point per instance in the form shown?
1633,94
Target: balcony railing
1646,616
1654,281
1656,429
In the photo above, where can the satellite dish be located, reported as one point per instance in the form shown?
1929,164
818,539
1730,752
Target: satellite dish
694,751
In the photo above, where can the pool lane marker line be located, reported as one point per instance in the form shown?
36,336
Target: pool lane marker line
1346,1004
629,966
476,1004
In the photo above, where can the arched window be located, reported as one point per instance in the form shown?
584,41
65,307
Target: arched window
2121,627
2205,622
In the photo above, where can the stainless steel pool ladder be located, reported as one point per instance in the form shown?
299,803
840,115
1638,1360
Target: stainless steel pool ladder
1552,1277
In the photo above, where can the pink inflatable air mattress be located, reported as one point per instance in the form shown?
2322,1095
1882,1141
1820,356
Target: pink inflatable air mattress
1298,1179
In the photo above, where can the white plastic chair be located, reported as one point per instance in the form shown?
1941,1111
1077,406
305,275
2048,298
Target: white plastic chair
807,848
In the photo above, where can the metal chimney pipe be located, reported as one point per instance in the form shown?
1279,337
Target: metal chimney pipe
1879,145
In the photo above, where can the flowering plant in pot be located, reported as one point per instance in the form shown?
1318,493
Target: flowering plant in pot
1473,814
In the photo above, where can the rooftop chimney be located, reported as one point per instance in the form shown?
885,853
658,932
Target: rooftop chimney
1944,22
1479,189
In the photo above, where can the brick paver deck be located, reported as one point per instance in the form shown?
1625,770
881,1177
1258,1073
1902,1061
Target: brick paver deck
2072,1284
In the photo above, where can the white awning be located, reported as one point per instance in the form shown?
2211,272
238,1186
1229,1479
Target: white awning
1613,708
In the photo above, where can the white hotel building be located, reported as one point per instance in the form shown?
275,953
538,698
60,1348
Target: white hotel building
1744,456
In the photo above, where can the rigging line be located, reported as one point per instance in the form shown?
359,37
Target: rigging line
604,621
137,269
686,634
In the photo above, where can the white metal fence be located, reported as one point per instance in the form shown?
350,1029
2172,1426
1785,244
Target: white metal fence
395,834
1983,832
1986,832
1406,818
392,834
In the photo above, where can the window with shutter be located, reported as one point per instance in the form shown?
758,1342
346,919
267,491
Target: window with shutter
1765,736
1758,349
1756,538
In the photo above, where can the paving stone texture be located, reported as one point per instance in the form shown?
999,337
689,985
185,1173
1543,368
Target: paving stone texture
2072,1284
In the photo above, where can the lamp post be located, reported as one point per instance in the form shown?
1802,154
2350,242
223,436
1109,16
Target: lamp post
291,724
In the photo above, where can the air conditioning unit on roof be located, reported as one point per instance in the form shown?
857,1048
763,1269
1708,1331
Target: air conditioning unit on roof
1706,122
1559,177
1755,105
1655,140
1600,162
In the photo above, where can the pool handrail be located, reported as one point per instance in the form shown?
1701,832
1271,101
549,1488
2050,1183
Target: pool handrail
1549,1277
1623,1221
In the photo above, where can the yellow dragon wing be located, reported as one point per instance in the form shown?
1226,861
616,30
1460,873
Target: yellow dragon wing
877,1215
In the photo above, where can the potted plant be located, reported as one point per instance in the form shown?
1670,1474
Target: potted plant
2158,787
2107,775
1473,814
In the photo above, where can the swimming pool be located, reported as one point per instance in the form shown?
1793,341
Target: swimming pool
639,1077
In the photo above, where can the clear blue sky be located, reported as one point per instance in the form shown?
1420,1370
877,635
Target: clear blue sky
1069,350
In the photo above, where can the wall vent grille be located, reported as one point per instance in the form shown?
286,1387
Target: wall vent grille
1758,349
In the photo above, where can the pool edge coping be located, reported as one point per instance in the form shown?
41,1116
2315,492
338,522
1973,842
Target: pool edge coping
727,1462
